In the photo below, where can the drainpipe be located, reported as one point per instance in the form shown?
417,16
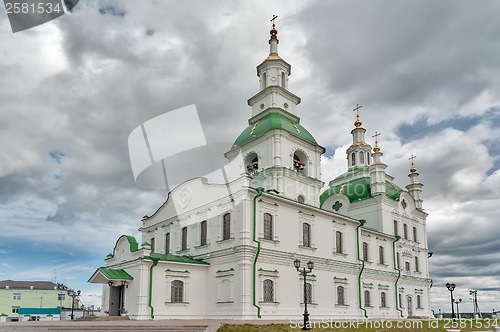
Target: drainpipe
361,223
155,262
260,191
398,305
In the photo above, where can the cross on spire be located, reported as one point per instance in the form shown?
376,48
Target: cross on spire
357,123
412,159
272,20
376,137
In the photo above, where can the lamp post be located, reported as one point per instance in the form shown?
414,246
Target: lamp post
451,288
73,295
310,266
458,312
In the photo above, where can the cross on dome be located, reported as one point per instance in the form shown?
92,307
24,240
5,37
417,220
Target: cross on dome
357,123
412,158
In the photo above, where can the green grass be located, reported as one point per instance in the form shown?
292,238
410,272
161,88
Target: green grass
465,325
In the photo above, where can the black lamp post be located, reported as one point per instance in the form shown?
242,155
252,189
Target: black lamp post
458,312
73,295
310,266
451,288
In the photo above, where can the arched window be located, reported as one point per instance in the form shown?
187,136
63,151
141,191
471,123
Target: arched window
300,199
268,226
396,228
338,242
415,234
407,266
306,234
309,293
268,290
153,244
283,79
203,233
353,159
298,163
226,226
365,251
419,301
383,300
417,269
368,158
367,299
177,291
405,231
340,295
184,235
361,157
398,258
400,299
263,84
252,163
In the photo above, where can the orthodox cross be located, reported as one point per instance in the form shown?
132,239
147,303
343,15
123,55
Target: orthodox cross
358,106
272,20
412,158
376,138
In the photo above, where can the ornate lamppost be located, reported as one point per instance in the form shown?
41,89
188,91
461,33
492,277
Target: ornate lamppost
457,302
73,295
310,266
61,288
451,288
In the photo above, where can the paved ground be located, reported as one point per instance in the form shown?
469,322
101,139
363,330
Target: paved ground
125,325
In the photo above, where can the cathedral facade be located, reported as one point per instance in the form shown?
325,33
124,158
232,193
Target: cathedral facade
227,251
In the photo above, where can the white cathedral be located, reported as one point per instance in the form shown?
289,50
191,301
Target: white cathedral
227,251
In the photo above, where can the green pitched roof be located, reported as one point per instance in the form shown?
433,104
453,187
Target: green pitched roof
359,189
116,274
272,121
176,259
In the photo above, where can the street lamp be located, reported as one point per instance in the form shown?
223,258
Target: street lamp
458,312
310,266
61,287
451,287
73,295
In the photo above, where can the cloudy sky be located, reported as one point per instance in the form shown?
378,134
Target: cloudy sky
71,91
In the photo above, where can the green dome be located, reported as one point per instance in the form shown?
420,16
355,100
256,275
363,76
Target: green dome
359,189
269,122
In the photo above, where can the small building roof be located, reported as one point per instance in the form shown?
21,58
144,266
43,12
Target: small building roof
40,285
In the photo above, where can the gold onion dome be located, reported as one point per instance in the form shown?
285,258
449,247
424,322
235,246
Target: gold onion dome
357,123
376,149
413,169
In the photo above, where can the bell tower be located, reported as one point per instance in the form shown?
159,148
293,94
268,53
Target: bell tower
277,152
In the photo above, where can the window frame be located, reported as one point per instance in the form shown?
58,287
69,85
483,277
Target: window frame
381,255
306,235
268,226
167,243
340,295
226,226
203,233
177,291
266,291
383,299
367,298
339,242
365,252
184,234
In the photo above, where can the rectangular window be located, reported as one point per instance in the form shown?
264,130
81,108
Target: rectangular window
396,228
419,302
167,243
417,269
415,234
268,226
405,231
306,234
381,255
338,242
184,236
365,251
203,233
61,297
16,296
15,309
400,298
407,266
226,226
153,244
